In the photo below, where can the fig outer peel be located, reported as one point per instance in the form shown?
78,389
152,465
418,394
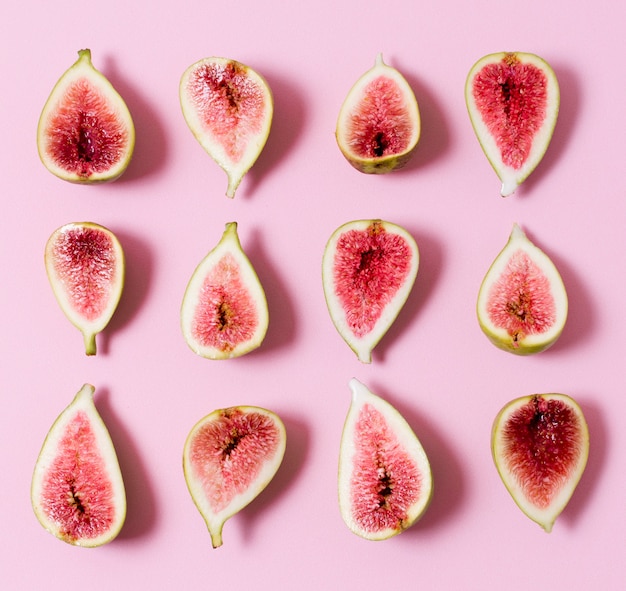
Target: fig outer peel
89,327
404,446
84,70
195,299
514,482
363,345
95,505
202,120
262,469
507,339
358,99
510,176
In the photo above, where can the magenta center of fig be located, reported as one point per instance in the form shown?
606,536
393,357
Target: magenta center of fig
512,98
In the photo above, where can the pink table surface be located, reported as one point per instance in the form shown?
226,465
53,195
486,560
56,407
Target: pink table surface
435,365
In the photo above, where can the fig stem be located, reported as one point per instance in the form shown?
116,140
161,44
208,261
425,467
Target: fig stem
90,343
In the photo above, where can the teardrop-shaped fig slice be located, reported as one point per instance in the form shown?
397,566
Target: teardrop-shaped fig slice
77,490
385,481
513,104
540,445
224,312
86,133
230,456
522,303
379,122
368,271
229,108
85,265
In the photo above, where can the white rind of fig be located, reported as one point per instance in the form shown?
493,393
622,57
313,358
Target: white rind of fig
224,285
80,76
228,107
363,344
47,473
397,439
550,302
99,273
514,482
511,176
360,101
209,472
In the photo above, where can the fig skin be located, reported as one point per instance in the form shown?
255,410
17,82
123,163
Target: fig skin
210,460
513,176
114,140
383,133
213,297
407,479
343,314
104,502
517,341
205,116
93,236
574,442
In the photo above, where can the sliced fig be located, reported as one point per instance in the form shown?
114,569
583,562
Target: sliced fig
85,265
522,302
513,103
385,481
230,456
229,108
379,122
86,133
224,312
368,271
540,445
77,490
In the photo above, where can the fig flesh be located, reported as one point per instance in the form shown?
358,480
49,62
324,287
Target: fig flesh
77,490
513,103
230,456
540,445
86,133
224,311
385,481
86,266
229,108
522,303
379,122
368,270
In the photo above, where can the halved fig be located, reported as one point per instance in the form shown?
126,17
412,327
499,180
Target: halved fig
368,271
77,490
513,103
540,445
224,311
85,265
385,481
379,122
86,133
230,456
522,303
229,108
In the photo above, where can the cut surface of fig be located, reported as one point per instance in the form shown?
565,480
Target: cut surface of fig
229,457
513,103
522,303
379,123
86,133
229,109
224,311
85,265
385,481
77,490
540,445
368,270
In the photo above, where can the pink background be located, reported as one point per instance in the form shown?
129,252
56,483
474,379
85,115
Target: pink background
435,365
